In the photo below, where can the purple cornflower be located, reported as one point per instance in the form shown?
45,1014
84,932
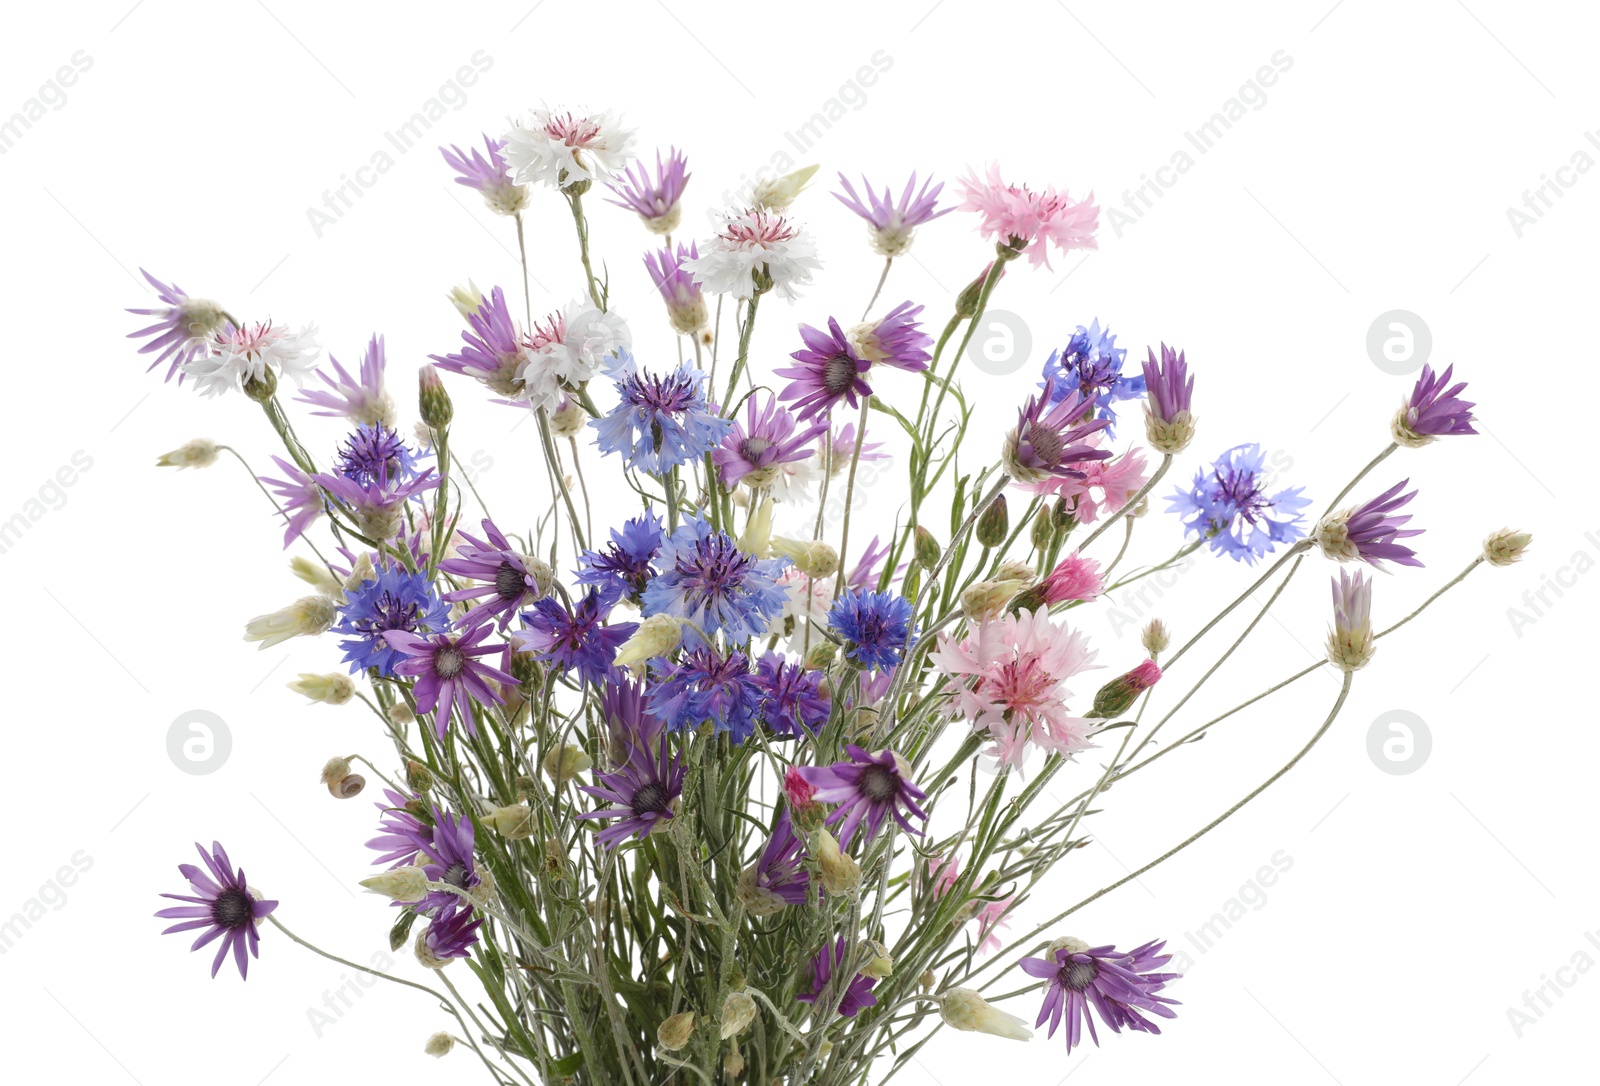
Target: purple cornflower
1368,532
489,174
1118,986
223,905
829,370
686,303
449,856
1228,505
641,794
1434,409
781,870
628,561
1168,421
704,687
495,349
895,339
755,450
869,788
510,580
182,328
633,731
374,505
1091,365
793,703
451,933
302,501
659,423
891,223
577,638
655,201
376,452
360,399
708,580
857,996
396,601
403,832
840,446
877,627
1050,437
1350,641
449,675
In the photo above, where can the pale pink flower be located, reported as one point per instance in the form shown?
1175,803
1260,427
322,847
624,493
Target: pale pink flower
943,873
1106,485
1015,216
562,149
1008,678
991,918
1075,578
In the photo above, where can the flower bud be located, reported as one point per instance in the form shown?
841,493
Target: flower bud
318,576
433,402
418,776
305,617
733,1063
1169,436
926,548
757,537
967,300
400,714
439,1045
1506,546
335,769
777,193
515,823
964,1009
738,1011
1155,637
994,523
483,893
927,980
656,636
198,453
1042,532
330,689
425,954
880,965
1117,695
814,559
1015,569
526,668
406,884
466,299
1061,518
566,762
261,387
400,930
985,600
569,419
675,1032
757,900
840,872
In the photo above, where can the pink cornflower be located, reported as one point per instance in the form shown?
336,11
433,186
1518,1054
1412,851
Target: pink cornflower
1015,217
1106,485
1009,678
1075,578
943,874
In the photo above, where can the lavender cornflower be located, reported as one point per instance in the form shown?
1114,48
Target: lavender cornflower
302,501
1091,365
576,639
857,995
403,834
895,339
451,934
449,675
829,371
1350,642
1168,422
509,579
223,905
754,451
1050,437
360,399
495,350
1368,532
793,702
632,730
182,329
704,687
1118,986
686,302
659,423
641,794
778,878
448,856
1228,505
375,505
891,224
655,201
489,174
877,627
376,451
396,601
1434,409
868,788
708,580
628,562
866,571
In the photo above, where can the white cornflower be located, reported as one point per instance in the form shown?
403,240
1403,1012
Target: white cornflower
562,149
573,346
756,251
240,355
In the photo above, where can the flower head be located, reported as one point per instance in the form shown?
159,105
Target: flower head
222,903
1091,366
374,501
1015,217
447,857
507,580
655,200
403,834
449,676
705,687
450,935
829,370
857,995
395,600
360,399
1369,532
868,788
1122,988
571,347
494,352
578,638
1228,505
755,450
1434,409
1350,642
708,580
301,500
892,224
640,794
1099,485
1168,421
487,172
965,1009
236,357
375,452
895,339
756,251
793,702
660,423
183,327
1052,437
778,877
686,303
628,562
877,627
1506,546
563,149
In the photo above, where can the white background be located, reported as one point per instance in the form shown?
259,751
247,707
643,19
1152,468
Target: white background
1375,175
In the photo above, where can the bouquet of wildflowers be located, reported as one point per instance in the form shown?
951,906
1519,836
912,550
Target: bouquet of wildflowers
674,796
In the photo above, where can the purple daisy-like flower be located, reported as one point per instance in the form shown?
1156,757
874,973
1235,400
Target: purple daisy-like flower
1228,505
708,580
396,600
865,572
1434,409
301,501
659,422
655,200
793,703
183,327
578,638
754,451
374,504
1168,383
829,370
361,398
449,674
877,627
630,725
704,687
1051,436
686,303
1368,532
857,996
494,349
640,793
510,580
448,851
1122,988
781,868
895,339
452,933
403,834
487,172
891,223
223,905
868,788
628,562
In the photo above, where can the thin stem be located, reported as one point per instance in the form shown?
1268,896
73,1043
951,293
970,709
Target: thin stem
1297,549
1166,462
850,494
887,263
1360,475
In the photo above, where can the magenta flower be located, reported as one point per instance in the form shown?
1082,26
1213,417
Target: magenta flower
857,995
1434,409
452,932
1016,218
891,224
223,905
1122,988
1369,532
360,399
1075,578
868,788
829,371
449,675
510,580
1116,696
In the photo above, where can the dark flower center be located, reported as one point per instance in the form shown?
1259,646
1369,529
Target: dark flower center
456,875
448,662
877,783
1079,975
1045,443
389,613
508,581
232,909
651,798
838,374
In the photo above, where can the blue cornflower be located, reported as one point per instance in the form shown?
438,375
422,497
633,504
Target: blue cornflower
578,638
705,687
627,562
1091,365
708,580
877,627
396,600
659,422
1228,505
792,700
377,451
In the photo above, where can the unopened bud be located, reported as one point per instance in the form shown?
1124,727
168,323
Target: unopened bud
418,776
880,965
994,523
1506,546
330,689
926,547
757,537
733,1063
757,900
198,453
777,193
1015,569
305,617
361,571
840,872
515,823
466,299
815,559
738,1011
317,575
987,599
1061,515
1116,696
1042,531
1155,637
569,419
965,1009
407,884
656,636
335,769
439,1045
564,763
433,402
967,300
675,1032
820,656
400,714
